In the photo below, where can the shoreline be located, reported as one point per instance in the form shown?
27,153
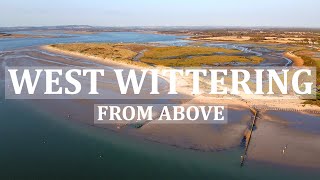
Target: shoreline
297,61
262,101
95,59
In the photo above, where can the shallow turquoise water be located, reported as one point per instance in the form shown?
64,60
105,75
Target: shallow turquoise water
36,146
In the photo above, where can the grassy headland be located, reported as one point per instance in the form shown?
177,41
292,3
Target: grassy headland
124,53
159,56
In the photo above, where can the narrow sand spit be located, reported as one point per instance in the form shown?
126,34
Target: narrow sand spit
297,61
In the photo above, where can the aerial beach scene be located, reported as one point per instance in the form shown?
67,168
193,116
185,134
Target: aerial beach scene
265,136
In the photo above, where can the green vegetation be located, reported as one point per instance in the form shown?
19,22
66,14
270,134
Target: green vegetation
163,56
201,60
314,101
114,51
183,52
194,56
309,60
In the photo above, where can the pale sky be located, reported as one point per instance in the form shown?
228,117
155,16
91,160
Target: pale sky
280,13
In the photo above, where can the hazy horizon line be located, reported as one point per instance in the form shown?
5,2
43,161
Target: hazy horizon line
166,26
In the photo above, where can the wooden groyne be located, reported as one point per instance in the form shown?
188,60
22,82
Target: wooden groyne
248,137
